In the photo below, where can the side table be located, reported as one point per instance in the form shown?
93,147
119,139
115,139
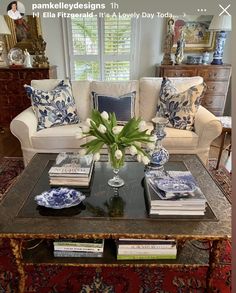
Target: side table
226,124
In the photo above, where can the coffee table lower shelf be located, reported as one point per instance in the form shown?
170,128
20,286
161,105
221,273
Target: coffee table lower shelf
43,254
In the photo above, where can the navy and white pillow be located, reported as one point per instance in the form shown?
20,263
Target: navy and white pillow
180,108
54,107
122,106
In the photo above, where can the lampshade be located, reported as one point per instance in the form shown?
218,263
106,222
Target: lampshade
4,30
221,23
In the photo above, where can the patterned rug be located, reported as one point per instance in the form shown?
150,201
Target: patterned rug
10,168
222,177
64,279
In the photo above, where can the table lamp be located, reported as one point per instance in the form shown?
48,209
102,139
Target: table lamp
4,30
220,24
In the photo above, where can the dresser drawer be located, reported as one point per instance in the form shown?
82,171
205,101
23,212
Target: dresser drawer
215,73
218,88
179,72
9,75
213,101
34,74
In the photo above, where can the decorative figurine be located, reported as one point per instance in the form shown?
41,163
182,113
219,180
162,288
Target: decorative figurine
179,54
205,58
169,42
27,62
40,60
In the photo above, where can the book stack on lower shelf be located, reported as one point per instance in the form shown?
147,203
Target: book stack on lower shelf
175,194
79,248
131,249
70,169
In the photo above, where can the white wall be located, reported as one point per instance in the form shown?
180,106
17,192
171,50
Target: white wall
52,34
151,38
152,33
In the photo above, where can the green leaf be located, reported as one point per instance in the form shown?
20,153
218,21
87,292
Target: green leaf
94,148
113,120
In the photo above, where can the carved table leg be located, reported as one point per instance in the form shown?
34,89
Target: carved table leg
16,246
214,257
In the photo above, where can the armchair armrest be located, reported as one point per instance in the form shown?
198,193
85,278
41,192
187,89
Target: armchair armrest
23,126
207,127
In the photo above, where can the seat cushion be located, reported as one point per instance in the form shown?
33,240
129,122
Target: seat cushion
61,137
177,139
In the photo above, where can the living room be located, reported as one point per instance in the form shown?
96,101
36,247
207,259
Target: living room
135,62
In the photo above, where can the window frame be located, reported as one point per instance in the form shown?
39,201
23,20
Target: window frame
70,58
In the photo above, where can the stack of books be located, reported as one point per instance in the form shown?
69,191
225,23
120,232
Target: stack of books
70,169
78,248
176,194
128,249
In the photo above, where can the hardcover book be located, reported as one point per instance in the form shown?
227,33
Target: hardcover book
155,256
71,164
187,199
58,253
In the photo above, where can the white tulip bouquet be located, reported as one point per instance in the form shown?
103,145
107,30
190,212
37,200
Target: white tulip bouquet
103,128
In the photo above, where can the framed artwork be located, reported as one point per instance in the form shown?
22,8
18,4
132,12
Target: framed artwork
23,32
197,36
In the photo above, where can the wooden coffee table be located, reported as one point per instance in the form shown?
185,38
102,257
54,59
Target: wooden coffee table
97,217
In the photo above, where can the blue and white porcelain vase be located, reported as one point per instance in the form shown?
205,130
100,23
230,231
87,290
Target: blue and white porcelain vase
160,155
219,49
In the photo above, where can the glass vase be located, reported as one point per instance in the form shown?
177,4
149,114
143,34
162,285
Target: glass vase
116,164
116,181
159,155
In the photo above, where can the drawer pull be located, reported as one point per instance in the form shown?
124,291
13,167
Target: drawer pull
212,88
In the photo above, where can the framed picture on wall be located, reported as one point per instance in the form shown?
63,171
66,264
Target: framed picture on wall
197,36
23,32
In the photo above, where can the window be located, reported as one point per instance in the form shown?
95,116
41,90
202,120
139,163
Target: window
101,48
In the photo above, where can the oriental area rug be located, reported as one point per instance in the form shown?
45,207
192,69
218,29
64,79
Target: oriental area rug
72,279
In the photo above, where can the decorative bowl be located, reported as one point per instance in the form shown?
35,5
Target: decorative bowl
175,185
59,198
194,59
16,57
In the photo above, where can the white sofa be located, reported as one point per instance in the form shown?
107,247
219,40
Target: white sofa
63,138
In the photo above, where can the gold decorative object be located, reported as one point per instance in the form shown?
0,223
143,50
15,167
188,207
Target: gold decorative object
169,42
39,47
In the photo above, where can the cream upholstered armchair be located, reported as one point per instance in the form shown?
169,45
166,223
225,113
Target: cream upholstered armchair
63,138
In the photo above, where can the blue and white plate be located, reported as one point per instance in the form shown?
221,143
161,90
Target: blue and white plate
175,185
59,198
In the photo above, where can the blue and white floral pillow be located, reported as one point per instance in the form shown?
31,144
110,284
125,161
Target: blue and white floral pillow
54,107
180,108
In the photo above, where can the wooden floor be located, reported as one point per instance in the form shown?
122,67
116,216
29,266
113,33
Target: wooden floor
10,147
